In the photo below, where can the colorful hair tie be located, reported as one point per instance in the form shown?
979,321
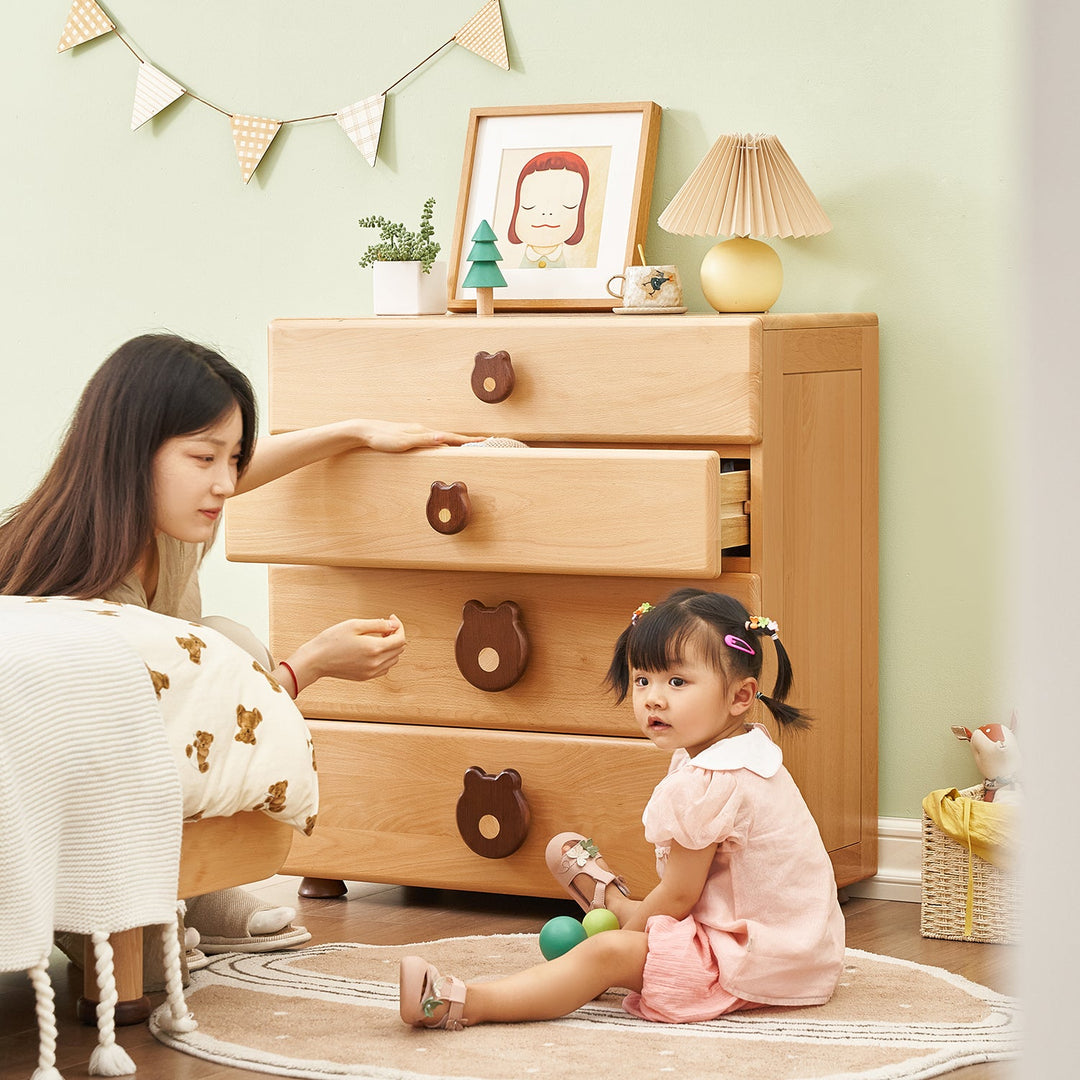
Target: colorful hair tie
763,622
642,610
738,643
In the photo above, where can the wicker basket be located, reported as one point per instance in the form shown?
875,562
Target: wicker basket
996,891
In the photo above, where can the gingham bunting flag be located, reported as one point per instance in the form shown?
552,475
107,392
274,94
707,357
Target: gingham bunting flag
483,35
362,122
85,22
154,90
251,136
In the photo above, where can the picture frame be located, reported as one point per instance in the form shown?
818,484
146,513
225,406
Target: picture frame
586,174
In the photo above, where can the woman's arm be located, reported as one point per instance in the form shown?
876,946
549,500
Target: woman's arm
357,649
277,455
679,889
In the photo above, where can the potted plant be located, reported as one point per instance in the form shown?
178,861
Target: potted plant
406,278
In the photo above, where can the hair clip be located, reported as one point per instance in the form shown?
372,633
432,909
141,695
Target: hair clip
738,643
642,610
763,622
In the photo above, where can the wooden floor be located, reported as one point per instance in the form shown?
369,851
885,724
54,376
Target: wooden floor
386,914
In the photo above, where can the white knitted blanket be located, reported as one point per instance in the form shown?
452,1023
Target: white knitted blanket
90,799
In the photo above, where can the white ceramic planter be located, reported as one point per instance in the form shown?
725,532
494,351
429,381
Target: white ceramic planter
401,288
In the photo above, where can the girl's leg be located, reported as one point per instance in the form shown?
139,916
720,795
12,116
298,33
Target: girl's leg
557,987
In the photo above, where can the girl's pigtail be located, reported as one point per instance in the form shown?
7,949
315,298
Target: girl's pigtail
618,675
787,716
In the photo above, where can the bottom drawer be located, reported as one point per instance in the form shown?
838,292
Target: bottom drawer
388,797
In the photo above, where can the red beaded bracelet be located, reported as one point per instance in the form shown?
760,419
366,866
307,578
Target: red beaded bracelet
296,682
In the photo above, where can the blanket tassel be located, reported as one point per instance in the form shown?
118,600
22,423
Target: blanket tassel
175,1017
45,1008
109,1057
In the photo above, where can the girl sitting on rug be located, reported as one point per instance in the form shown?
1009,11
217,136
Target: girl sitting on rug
745,913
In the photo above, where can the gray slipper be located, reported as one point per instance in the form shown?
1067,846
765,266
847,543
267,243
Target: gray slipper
222,921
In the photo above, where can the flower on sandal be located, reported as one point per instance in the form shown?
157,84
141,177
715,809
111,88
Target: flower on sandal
582,852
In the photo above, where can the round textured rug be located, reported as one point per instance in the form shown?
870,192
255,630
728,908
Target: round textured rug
331,1013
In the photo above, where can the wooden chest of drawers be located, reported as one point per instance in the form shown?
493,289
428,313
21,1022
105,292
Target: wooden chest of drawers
737,453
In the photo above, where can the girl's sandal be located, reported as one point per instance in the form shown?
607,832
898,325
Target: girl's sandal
580,858
423,990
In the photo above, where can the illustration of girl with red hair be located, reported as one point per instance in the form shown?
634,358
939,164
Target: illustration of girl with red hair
549,208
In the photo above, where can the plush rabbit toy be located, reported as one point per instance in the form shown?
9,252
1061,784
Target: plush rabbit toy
997,755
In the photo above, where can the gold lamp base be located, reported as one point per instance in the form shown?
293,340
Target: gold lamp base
740,275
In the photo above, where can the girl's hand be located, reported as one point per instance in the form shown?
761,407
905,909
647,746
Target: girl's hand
393,438
357,649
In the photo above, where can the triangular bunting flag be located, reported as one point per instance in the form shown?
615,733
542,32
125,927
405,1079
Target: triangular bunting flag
362,122
154,90
85,22
251,136
483,35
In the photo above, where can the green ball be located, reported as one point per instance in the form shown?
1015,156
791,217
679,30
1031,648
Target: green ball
560,935
598,920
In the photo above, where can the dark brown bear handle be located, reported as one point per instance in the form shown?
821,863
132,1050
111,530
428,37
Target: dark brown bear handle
492,376
492,812
491,648
448,507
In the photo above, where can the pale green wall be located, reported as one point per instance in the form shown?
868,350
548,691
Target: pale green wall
901,117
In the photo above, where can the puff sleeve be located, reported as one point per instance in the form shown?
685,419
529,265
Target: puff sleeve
696,807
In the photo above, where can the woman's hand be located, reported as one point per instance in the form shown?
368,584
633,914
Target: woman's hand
392,438
357,649
278,455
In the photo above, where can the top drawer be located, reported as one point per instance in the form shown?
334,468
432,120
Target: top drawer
602,378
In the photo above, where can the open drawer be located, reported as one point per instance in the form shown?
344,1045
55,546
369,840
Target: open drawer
666,513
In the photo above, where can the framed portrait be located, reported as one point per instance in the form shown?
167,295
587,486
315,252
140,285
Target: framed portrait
566,189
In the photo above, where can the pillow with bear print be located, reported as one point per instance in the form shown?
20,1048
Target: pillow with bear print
238,740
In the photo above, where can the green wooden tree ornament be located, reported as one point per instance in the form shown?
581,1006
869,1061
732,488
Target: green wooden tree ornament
484,273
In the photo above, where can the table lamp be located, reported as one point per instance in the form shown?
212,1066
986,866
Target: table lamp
745,186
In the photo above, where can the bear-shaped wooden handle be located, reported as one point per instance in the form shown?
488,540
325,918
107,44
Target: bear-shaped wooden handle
492,376
492,812
491,648
448,507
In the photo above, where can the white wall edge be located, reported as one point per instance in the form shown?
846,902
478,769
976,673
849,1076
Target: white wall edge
899,875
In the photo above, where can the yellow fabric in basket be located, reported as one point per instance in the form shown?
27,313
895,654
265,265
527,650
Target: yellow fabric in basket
987,829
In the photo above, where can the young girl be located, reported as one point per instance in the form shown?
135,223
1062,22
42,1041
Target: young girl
163,434
745,913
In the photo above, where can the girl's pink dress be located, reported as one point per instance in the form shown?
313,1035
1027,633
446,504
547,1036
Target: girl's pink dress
767,929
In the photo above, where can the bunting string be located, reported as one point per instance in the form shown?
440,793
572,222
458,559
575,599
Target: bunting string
361,120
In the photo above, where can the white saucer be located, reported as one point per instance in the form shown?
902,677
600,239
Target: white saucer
649,311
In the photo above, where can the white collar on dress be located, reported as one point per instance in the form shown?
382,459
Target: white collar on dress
754,751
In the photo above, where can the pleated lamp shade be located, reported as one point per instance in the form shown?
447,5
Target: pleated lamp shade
745,186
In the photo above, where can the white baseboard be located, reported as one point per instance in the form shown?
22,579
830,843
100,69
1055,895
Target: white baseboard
899,875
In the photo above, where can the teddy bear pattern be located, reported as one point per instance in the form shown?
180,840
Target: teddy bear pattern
491,648
492,812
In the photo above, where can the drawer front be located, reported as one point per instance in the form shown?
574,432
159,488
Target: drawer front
570,624
574,511
388,798
684,379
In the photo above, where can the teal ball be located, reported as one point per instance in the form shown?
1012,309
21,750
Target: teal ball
560,935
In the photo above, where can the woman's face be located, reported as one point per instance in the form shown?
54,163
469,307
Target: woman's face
193,476
548,211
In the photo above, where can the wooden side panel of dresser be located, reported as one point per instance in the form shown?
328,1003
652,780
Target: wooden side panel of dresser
392,753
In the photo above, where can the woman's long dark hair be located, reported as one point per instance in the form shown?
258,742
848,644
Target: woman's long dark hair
85,526
657,640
